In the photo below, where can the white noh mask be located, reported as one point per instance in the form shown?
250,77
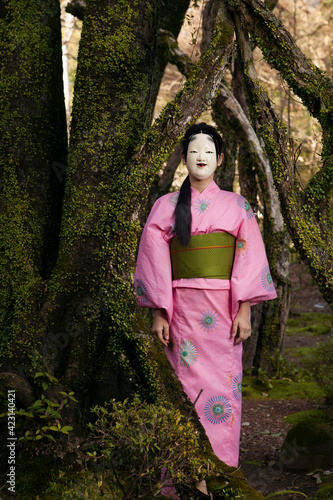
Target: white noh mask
201,160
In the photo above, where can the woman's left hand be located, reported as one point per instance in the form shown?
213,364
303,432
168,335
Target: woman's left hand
241,328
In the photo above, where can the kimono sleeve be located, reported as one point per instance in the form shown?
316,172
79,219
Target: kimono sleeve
251,279
153,275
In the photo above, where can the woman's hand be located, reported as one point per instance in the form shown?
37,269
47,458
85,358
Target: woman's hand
241,328
161,326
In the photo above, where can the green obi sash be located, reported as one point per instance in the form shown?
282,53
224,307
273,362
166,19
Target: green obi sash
206,256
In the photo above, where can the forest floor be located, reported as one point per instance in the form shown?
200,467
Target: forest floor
263,427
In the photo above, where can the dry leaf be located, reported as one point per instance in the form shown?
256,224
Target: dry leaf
202,487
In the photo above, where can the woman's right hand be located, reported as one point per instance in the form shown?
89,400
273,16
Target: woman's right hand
161,326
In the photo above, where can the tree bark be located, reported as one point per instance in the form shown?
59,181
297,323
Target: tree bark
163,181
118,76
33,146
86,310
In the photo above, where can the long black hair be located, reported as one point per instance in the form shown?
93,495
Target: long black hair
183,216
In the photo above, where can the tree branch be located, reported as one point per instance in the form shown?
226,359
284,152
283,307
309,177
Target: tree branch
172,53
281,52
310,235
232,106
310,83
162,184
77,8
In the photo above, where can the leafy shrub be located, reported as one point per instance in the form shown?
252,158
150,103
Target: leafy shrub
84,484
321,366
140,440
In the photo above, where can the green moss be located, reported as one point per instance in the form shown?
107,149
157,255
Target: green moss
255,389
320,416
320,367
309,323
33,476
325,492
299,352
308,446
254,462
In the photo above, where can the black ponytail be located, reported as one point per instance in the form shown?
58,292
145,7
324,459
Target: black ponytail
183,216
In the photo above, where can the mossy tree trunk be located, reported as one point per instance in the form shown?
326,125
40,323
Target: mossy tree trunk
33,146
116,85
118,344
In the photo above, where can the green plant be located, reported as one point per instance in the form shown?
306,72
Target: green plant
45,411
321,367
285,369
83,484
231,494
285,492
148,447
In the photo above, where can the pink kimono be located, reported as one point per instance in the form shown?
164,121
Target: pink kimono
201,311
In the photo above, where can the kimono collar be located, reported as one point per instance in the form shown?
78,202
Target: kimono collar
209,191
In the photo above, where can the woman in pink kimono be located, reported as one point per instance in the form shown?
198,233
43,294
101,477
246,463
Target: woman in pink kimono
201,265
